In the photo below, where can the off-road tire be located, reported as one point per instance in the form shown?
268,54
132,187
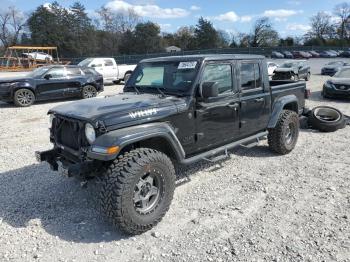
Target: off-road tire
88,91
329,125
288,121
119,184
24,97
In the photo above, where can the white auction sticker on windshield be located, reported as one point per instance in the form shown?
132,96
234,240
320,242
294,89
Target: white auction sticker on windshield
187,65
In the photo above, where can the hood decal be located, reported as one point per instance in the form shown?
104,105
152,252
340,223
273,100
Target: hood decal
143,113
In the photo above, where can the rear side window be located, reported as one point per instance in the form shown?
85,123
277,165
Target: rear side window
58,72
250,76
73,71
221,74
108,62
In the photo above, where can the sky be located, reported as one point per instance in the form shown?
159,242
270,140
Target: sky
289,17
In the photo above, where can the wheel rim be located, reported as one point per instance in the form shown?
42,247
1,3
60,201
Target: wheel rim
147,192
25,97
290,133
89,92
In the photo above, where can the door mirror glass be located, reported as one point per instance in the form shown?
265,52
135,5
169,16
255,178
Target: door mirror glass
210,89
48,76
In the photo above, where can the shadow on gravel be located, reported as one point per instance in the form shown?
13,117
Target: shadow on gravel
34,196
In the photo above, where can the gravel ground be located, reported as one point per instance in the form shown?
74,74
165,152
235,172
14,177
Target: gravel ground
256,206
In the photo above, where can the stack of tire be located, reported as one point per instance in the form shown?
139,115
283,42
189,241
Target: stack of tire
325,119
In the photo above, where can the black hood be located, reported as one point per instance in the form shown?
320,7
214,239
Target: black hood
120,109
15,79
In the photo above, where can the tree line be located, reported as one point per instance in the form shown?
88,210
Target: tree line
110,33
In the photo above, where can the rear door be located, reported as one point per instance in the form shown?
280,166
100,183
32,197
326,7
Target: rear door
110,70
53,87
255,98
217,120
75,78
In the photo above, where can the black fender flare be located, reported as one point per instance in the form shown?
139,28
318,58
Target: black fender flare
290,100
130,135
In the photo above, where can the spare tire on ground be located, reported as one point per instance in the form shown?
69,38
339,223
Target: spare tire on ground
326,119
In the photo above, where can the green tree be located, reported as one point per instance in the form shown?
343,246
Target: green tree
206,35
147,38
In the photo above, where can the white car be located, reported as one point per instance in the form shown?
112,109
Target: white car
38,56
111,71
271,66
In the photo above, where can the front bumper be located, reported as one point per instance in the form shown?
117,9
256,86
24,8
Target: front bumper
330,91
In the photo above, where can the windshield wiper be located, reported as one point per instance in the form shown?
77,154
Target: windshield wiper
160,91
135,88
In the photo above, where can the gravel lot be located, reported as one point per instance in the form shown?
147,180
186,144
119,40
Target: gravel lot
257,206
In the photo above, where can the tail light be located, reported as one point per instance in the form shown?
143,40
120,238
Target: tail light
307,93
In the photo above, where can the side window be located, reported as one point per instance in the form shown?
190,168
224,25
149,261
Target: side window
57,73
73,71
108,62
250,76
221,74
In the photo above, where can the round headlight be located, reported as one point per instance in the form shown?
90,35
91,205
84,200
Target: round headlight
90,133
51,118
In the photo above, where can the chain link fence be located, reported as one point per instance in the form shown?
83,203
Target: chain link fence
266,51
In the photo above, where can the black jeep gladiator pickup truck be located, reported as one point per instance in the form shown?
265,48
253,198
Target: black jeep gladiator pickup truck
173,110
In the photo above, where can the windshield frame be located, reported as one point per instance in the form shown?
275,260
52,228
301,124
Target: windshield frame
154,89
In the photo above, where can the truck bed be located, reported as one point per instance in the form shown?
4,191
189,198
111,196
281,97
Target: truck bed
282,88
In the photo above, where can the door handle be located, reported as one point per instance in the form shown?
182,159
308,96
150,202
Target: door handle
233,106
259,100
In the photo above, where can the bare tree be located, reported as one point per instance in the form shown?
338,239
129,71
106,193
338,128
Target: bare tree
342,11
322,27
118,22
12,22
263,33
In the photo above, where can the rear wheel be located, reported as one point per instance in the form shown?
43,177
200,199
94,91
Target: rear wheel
24,97
283,138
89,91
137,190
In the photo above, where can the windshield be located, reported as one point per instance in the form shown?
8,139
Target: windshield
344,73
288,65
174,77
38,72
335,63
85,62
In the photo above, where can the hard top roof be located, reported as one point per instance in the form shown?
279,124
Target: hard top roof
203,57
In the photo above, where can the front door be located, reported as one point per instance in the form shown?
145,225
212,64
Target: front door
255,98
54,86
217,121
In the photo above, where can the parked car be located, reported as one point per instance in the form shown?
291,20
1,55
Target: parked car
271,66
334,52
314,54
288,54
41,56
51,82
333,67
301,54
276,54
173,110
345,54
111,71
327,54
338,85
294,70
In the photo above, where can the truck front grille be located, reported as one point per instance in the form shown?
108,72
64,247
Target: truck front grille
342,87
69,133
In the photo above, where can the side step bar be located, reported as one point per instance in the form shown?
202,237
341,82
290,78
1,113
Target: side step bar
212,153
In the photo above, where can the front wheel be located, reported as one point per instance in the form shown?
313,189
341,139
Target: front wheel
295,78
24,97
88,91
137,190
283,138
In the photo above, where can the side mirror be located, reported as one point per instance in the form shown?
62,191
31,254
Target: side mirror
48,76
93,65
210,89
